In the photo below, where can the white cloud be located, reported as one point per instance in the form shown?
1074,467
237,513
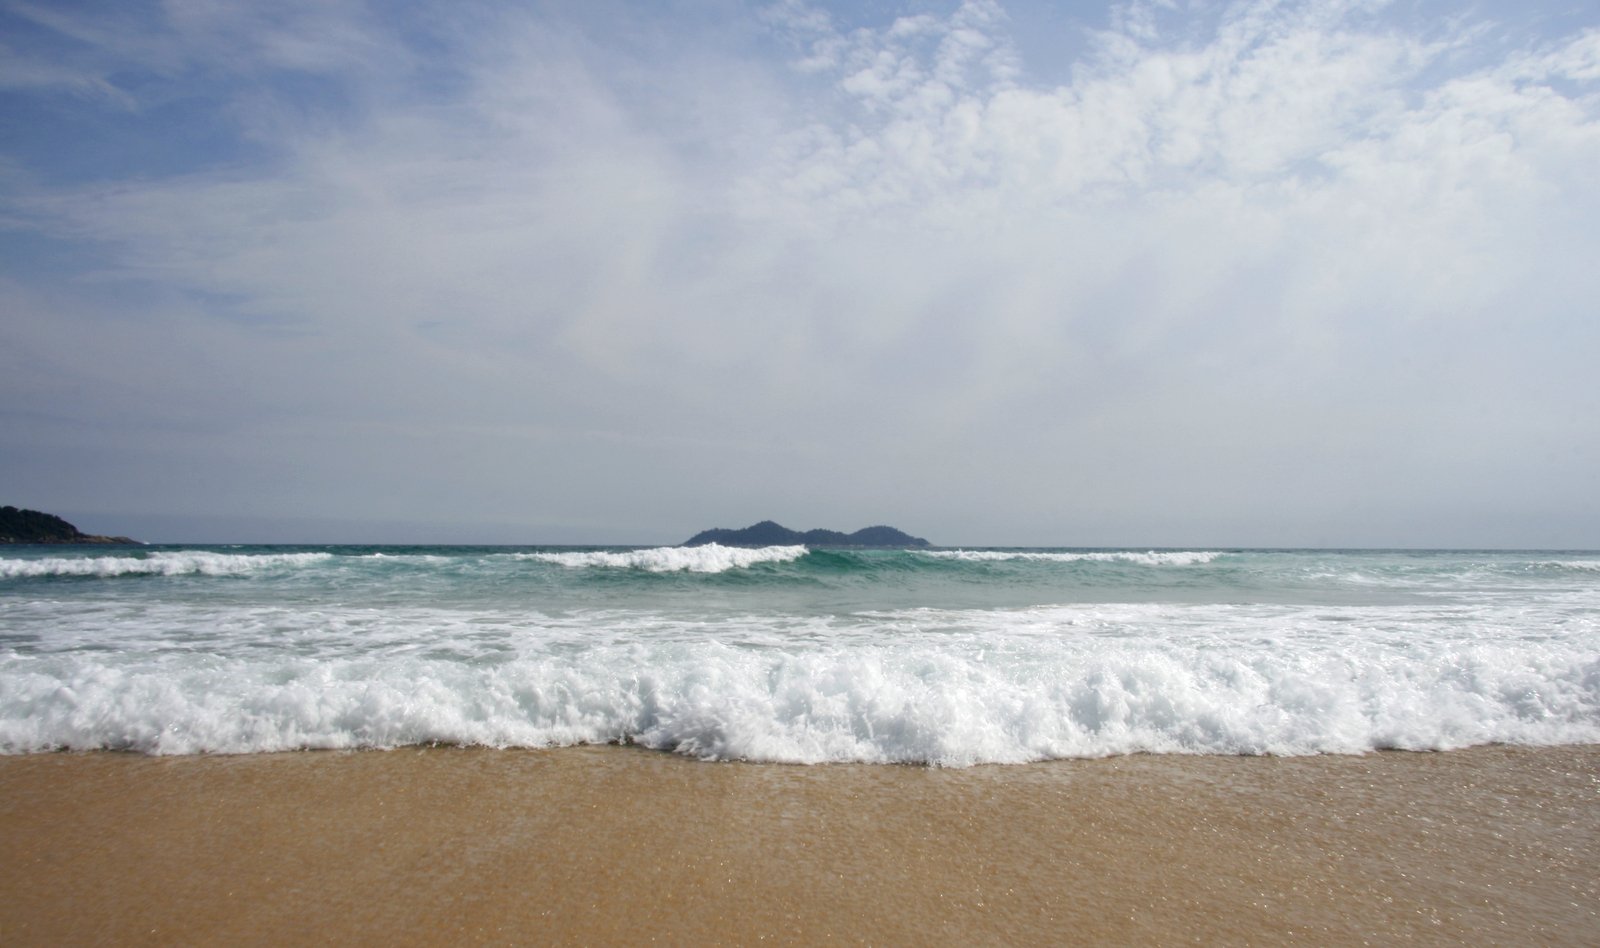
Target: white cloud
1275,250
22,72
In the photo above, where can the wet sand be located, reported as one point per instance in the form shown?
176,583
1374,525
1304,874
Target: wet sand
619,845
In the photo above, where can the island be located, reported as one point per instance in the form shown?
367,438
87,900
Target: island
768,533
32,526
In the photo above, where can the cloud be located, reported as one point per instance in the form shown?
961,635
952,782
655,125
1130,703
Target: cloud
1257,267
21,72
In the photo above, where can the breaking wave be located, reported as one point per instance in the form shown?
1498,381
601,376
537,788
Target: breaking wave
711,558
946,657
177,563
1151,558
920,703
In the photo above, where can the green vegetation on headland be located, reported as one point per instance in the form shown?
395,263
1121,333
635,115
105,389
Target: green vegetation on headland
767,533
31,526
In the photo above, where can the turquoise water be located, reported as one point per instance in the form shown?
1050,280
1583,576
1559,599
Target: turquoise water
948,657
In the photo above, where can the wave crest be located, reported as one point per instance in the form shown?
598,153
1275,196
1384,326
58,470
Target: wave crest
1583,565
711,558
1151,558
875,705
177,563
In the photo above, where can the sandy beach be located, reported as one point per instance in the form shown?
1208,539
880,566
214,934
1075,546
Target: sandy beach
619,845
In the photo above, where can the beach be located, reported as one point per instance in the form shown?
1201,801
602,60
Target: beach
709,745
624,845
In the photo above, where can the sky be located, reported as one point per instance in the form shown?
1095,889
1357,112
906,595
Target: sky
1187,273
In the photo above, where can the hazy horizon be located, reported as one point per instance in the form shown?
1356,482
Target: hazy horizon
1169,274
226,531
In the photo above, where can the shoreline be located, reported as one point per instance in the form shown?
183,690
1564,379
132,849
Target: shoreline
606,844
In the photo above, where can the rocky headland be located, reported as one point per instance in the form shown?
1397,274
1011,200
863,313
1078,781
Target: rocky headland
32,526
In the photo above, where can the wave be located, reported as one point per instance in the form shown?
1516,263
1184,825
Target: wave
711,558
177,563
1582,565
1151,558
936,657
920,702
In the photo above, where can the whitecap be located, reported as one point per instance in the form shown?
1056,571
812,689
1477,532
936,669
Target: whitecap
175,563
711,558
1150,558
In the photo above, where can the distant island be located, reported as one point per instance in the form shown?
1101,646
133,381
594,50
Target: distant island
767,533
32,526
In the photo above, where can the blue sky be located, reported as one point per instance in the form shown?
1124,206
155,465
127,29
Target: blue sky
1219,273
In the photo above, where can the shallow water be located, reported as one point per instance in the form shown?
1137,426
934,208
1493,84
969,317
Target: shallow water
949,657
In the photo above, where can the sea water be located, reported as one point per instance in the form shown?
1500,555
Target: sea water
946,657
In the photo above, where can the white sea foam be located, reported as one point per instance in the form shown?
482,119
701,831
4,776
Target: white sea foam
175,563
1152,558
947,687
711,558
913,665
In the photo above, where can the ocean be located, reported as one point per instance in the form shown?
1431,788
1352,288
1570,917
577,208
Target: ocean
946,657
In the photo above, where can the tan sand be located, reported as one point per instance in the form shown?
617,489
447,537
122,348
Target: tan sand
616,845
